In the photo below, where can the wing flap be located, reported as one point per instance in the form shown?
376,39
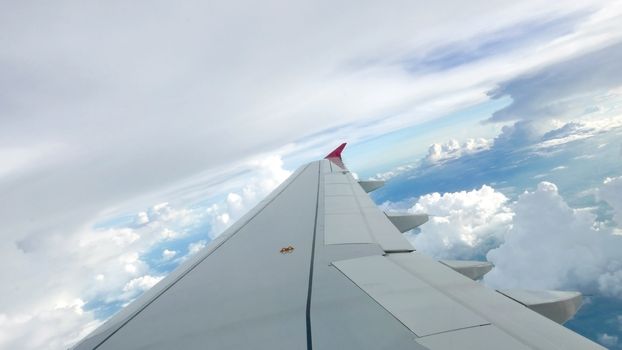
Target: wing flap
446,310
506,314
417,304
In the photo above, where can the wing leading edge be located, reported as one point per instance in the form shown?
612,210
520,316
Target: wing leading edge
317,265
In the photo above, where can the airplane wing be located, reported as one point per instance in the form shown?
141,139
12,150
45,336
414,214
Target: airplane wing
316,265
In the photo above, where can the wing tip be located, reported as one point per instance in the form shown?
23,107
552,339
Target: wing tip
336,153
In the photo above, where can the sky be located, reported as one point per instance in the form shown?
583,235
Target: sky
131,134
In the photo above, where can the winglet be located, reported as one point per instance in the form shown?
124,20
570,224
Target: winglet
336,153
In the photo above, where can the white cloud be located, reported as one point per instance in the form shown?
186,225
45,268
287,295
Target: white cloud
608,340
519,134
96,265
142,218
453,149
585,128
195,247
610,282
552,246
385,176
611,192
163,212
462,224
136,286
169,234
234,201
55,328
537,242
576,132
141,283
168,254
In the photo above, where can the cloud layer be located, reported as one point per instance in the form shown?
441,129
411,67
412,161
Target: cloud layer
611,192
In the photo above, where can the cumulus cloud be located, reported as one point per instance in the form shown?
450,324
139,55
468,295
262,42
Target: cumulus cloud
385,176
610,282
519,134
195,247
452,149
552,246
142,218
137,285
608,340
611,192
537,242
463,224
163,212
168,254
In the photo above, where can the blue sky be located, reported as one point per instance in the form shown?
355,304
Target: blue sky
130,137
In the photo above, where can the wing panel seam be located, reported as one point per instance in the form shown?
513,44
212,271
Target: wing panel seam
308,307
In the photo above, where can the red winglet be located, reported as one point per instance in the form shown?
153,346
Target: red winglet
336,153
